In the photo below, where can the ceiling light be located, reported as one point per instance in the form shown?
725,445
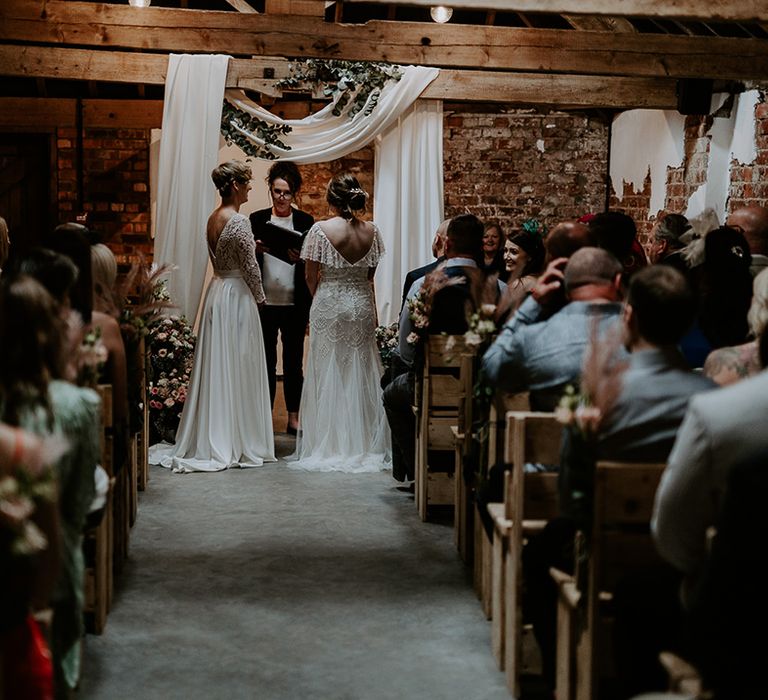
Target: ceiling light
441,13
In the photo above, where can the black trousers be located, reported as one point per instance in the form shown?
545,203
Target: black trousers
291,323
398,397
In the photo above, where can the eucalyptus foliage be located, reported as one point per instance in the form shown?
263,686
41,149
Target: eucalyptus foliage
267,134
353,85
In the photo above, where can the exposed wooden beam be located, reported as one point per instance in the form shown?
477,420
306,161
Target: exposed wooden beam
498,48
242,6
718,10
467,85
59,112
309,8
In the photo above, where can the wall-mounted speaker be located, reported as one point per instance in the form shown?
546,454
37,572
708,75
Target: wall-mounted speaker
694,95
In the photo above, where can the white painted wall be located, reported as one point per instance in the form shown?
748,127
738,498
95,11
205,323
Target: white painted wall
645,140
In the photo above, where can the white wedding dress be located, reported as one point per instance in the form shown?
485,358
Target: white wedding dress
227,420
343,426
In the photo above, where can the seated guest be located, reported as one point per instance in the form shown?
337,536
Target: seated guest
104,320
728,365
721,429
562,241
438,248
74,413
729,604
532,353
639,427
449,308
524,259
616,232
668,239
753,221
725,287
493,250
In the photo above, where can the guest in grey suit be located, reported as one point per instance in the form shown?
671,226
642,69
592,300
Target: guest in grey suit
641,426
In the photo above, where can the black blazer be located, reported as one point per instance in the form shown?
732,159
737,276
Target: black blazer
451,303
302,223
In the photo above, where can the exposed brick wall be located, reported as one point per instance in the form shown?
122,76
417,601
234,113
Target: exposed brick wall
519,164
115,187
748,182
316,177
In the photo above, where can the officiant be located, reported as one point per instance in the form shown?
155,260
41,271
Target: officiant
286,310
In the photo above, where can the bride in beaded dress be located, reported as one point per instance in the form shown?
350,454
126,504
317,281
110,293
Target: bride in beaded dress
227,419
342,424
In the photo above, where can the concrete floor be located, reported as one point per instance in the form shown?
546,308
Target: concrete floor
275,584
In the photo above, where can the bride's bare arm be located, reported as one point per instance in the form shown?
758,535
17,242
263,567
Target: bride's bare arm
312,275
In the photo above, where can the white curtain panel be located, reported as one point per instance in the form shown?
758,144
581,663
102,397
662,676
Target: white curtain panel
194,92
408,198
322,137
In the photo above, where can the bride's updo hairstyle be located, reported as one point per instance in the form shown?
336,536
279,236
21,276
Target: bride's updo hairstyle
228,173
345,193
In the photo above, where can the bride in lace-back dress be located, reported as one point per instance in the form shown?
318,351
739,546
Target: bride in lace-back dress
342,422
227,419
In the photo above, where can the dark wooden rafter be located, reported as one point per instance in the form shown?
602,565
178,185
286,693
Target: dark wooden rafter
469,85
719,10
478,47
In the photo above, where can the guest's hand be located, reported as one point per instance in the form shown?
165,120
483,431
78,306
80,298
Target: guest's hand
261,248
550,284
294,255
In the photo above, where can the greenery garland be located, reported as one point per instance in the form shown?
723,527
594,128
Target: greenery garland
232,117
358,81
354,86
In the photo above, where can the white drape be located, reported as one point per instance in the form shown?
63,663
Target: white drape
194,92
322,136
408,197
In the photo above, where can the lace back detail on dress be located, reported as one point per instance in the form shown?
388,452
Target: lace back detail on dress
318,248
236,250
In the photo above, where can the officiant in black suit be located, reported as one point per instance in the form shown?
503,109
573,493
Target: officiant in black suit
286,310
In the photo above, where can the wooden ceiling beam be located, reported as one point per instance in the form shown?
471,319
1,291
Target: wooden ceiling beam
242,6
59,112
459,85
453,46
716,10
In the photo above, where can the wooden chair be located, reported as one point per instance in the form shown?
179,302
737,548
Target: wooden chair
530,500
142,437
619,544
502,403
442,389
97,551
463,521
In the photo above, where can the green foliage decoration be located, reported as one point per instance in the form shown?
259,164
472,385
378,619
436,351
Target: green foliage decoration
269,134
353,85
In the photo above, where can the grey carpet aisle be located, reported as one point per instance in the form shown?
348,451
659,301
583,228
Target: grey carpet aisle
276,584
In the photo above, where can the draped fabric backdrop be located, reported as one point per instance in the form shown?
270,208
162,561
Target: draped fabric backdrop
194,92
408,196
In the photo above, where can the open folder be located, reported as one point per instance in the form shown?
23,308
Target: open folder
279,240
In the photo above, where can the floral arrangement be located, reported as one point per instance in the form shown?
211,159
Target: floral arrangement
585,411
171,351
91,358
387,339
482,327
420,305
19,495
